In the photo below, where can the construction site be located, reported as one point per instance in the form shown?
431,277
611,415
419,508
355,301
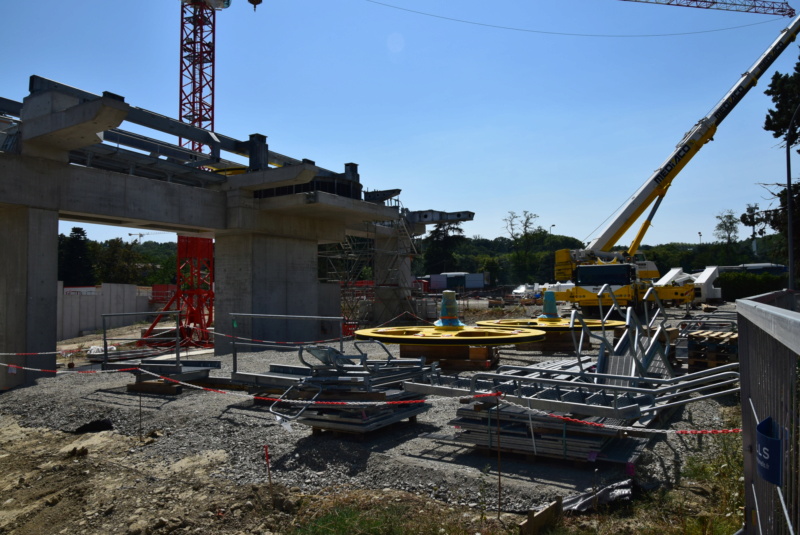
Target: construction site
297,358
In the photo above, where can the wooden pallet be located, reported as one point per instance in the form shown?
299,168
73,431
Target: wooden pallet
709,349
713,340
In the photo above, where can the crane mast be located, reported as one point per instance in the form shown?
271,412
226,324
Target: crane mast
198,23
748,6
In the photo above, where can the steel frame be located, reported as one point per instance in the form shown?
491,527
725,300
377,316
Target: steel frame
195,295
748,6
198,23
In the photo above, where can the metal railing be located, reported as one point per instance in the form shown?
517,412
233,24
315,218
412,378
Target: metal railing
769,354
237,342
140,352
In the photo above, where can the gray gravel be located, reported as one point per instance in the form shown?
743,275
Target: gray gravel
399,457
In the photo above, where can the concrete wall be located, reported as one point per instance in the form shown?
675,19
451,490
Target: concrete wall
80,313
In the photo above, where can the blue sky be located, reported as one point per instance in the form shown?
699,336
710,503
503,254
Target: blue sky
561,108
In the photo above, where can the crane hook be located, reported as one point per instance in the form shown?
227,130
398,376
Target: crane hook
255,3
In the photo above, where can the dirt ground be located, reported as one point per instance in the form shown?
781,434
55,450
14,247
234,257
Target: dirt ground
53,482
60,483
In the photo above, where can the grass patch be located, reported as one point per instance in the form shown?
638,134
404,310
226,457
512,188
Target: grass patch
708,499
393,513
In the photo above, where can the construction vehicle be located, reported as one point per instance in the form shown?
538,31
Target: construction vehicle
628,273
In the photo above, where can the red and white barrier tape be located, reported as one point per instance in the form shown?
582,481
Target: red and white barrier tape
234,337
64,372
631,429
31,354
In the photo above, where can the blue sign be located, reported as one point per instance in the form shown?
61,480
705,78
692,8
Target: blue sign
768,451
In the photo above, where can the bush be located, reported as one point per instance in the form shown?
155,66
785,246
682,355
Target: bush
737,284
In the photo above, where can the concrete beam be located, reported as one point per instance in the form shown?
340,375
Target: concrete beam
320,216
72,128
272,178
97,196
321,205
432,217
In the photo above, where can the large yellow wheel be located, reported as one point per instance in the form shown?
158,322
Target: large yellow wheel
468,336
549,325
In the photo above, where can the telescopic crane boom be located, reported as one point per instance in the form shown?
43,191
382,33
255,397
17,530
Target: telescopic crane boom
654,189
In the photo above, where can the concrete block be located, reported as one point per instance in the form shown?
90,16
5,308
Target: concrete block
72,128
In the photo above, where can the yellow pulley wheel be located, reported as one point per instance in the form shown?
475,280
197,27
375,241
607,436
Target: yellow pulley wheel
549,325
467,336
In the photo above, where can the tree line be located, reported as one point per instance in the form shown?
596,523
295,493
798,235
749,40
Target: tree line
527,255
85,262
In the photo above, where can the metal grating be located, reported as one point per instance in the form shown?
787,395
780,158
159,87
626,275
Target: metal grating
769,353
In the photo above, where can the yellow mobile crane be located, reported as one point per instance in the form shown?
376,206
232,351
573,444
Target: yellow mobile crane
625,272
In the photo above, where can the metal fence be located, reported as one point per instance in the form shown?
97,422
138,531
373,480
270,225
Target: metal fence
769,353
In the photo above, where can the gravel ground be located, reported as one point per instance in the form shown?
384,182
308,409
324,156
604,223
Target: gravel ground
232,431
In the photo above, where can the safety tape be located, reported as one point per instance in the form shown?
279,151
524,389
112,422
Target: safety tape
64,372
32,354
498,395
242,338
627,429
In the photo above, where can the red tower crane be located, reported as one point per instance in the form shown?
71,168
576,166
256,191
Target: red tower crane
198,29
194,279
749,6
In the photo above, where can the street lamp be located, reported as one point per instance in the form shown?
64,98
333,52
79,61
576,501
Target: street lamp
551,228
700,236
789,210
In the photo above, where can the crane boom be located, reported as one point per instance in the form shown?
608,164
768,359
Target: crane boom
748,6
656,186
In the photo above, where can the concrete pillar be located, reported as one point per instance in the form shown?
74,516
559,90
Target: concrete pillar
258,274
28,291
392,277
259,152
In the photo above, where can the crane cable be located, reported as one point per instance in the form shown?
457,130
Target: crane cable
566,34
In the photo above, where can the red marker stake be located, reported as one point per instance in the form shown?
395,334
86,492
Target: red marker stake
269,470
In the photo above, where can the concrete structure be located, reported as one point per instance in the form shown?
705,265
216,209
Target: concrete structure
268,218
79,312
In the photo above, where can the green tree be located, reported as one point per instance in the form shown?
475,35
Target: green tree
117,262
727,229
524,236
754,219
784,89
75,259
778,220
440,246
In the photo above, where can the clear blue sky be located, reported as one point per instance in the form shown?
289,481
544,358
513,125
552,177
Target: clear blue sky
561,108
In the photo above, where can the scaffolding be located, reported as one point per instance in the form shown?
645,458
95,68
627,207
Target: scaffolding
372,267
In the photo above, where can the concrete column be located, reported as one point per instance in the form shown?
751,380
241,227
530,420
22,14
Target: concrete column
258,274
28,291
392,278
